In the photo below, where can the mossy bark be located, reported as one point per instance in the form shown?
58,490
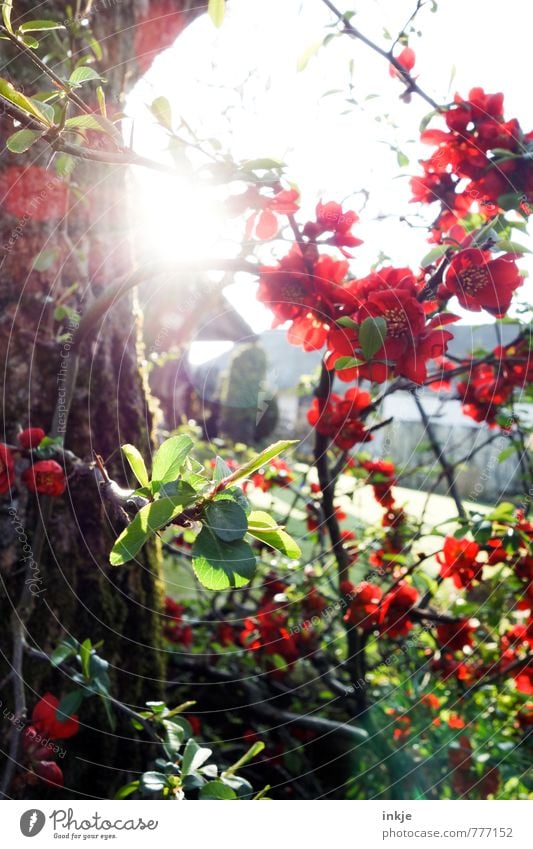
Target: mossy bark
78,594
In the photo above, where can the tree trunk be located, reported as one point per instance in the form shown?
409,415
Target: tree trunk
79,594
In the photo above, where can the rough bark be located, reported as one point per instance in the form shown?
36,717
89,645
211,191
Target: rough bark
80,594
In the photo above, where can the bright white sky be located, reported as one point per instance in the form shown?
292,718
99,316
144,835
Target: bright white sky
240,84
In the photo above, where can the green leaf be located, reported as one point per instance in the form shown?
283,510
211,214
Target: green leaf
511,247
91,122
127,790
162,112
346,321
65,165
221,471
216,10
216,790
263,164
347,362
45,259
39,26
18,99
169,458
252,752
147,521
433,255
174,736
194,756
22,140
260,460
402,159
264,528
372,335
68,705
226,519
29,41
7,8
68,648
220,565
85,657
137,465
82,75
307,55
153,782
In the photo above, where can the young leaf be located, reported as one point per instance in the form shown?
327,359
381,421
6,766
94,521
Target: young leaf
162,112
216,10
262,527
82,75
39,26
68,705
220,565
252,752
222,470
138,467
85,657
127,790
22,140
372,335
18,99
7,7
226,519
216,790
169,459
147,521
194,756
260,460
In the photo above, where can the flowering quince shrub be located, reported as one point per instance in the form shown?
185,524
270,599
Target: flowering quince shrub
384,650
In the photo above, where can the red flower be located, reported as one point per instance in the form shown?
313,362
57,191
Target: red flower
7,468
277,473
408,341
406,59
338,417
264,222
454,636
394,610
45,721
458,561
485,391
482,283
364,606
174,629
46,477
330,217
49,772
31,437
306,292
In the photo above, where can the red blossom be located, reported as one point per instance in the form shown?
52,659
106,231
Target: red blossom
364,605
406,58
454,636
31,437
277,473
394,610
46,477
480,282
458,561
44,719
174,629
331,218
338,417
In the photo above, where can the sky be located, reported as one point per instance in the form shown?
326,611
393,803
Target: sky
338,123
